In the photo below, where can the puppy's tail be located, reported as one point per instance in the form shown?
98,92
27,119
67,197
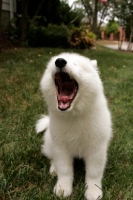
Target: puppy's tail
42,124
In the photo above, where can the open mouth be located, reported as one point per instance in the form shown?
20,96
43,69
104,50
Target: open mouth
66,90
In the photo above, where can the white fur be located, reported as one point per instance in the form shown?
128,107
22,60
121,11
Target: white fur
84,130
42,124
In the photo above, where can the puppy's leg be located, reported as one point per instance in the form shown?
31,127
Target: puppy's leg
52,168
47,150
95,164
64,169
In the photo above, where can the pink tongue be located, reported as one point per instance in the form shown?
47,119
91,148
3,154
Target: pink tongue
64,99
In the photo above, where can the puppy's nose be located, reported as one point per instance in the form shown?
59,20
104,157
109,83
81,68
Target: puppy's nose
60,62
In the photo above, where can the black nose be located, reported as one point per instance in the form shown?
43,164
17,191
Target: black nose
60,62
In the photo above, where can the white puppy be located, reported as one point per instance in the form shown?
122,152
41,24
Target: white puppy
79,122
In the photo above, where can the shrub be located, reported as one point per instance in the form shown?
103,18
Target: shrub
82,38
52,36
112,27
15,30
37,36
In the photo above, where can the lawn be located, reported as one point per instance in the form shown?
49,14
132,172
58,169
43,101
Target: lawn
24,171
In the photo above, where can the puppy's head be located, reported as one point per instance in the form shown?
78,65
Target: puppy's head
70,82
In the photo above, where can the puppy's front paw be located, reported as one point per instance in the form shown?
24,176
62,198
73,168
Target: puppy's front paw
93,193
52,169
63,189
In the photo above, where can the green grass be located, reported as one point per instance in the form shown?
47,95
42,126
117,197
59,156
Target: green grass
24,172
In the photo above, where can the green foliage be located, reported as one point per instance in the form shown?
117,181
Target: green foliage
66,15
112,27
82,38
14,34
37,36
61,36
15,30
123,10
35,15
52,36
38,20
54,12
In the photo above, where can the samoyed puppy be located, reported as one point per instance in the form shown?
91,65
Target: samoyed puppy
79,122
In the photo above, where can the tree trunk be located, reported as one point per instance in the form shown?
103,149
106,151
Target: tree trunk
103,15
131,35
121,39
24,5
0,17
94,25
129,47
88,10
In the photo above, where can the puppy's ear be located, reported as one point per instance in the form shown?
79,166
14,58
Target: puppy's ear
94,64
